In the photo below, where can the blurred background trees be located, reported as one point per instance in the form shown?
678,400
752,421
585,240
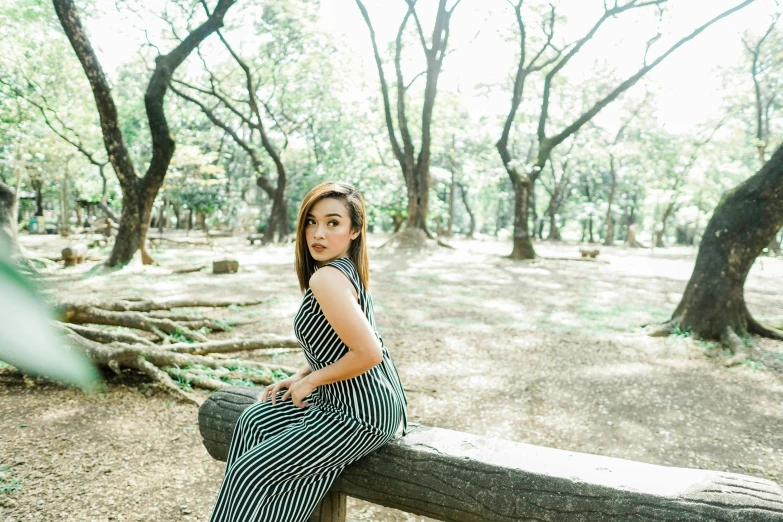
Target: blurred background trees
287,93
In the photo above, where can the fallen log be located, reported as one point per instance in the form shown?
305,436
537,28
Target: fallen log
459,477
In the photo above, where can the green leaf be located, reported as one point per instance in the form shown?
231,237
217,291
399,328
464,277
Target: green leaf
28,339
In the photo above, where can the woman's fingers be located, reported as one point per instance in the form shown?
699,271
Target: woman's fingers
274,392
264,394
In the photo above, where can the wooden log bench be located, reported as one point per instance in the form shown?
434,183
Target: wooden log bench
453,476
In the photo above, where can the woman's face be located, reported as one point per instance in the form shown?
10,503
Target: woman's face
328,230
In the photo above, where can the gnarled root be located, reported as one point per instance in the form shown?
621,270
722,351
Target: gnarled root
735,344
661,330
767,331
191,370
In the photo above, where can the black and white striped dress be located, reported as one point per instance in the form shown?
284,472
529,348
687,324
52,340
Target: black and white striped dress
283,459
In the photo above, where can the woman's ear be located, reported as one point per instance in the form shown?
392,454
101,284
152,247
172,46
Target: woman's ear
355,233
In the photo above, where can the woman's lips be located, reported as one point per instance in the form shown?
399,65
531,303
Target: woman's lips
318,248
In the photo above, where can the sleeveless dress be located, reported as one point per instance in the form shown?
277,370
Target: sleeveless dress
283,459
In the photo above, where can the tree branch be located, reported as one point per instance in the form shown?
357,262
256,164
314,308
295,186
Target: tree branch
384,86
628,83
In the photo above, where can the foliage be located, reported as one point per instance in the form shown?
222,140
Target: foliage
323,112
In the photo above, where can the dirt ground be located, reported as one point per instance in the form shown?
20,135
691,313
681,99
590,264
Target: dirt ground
547,352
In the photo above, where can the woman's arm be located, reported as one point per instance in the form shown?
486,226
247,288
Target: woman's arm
337,299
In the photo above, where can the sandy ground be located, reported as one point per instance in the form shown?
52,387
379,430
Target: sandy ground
547,352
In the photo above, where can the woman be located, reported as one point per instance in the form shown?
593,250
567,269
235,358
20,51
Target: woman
288,448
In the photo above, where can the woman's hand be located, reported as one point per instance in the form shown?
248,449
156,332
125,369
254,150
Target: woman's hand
298,391
273,389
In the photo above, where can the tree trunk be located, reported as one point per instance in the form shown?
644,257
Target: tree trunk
415,170
609,238
472,227
452,191
523,247
743,224
64,198
161,210
278,216
134,224
662,226
774,245
138,193
554,204
9,239
418,199
39,204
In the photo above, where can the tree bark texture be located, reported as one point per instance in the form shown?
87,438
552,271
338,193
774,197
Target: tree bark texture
459,477
138,192
523,246
743,224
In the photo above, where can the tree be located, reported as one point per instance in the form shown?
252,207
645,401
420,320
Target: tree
765,63
415,169
679,171
287,82
713,305
138,192
554,59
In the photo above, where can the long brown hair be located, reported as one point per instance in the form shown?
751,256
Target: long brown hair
352,199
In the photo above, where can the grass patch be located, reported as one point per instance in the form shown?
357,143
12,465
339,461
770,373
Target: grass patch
754,365
8,485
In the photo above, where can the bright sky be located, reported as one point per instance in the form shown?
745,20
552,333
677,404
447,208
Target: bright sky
690,90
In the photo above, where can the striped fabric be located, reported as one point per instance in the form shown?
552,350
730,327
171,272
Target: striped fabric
283,459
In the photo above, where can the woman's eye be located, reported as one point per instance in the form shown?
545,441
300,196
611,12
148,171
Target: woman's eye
333,223
309,222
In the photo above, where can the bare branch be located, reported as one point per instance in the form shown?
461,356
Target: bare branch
402,119
384,86
608,13
633,79
422,73
412,9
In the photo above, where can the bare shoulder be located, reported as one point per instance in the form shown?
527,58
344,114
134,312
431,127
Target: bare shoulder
329,280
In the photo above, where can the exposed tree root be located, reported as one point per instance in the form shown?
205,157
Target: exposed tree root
104,336
735,344
148,305
163,328
443,243
161,364
411,240
178,366
233,345
730,339
769,331
661,330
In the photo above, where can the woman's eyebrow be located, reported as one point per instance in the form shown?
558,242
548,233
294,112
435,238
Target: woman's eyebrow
327,215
